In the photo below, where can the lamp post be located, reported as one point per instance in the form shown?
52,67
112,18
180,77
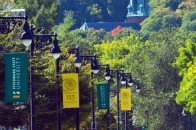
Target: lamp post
130,83
82,60
119,73
184,113
79,61
107,69
55,53
36,41
108,75
124,81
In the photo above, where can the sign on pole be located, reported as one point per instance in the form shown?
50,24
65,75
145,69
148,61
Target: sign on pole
103,96
70,90
125,96
16,77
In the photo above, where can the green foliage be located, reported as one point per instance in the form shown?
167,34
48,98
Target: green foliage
63,29
12,116
124,32
160,18
186,64
189,22
151,62
188,5
96,11
172,4
148,58
43,13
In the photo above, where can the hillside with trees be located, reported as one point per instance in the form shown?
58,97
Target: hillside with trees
161,55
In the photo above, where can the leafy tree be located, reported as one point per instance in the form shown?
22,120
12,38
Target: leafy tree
97,10
186,62
172,4
160,18
187,5
126,32
151,62
189,22
43,13
12,116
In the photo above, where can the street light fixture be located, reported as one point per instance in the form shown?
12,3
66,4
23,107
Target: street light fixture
130,83
123,80
27,36
82,60
184,113
78,61
138,88
108,76
36,41
55,52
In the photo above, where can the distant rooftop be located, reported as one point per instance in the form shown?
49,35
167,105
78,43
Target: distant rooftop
109,26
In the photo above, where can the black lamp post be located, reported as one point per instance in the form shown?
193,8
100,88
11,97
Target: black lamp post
36,41
184,113
124,81
130,83
108,75
8,24
55,52
121,73
82,61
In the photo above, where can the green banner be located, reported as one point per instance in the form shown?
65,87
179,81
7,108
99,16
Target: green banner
16,77
103,96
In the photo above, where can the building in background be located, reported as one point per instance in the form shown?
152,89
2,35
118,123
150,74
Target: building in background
138,11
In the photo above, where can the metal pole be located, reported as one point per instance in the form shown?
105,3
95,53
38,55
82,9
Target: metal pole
32,90
190,121
93,123
117,102
126,120
77,110
108,110
58,96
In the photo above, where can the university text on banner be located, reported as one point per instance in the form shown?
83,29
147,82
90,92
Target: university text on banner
125,96
70,90
16,77
103,96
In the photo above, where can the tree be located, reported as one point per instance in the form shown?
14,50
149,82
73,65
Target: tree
42,13
160,18
189,22
151,62
187,5
172,4
97,10
186,64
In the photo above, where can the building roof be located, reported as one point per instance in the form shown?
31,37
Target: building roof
109,26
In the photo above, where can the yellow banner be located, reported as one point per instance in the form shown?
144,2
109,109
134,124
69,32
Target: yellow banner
125,98
70,90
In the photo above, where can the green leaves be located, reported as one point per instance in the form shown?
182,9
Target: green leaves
160,18
189,22
186,62
43,13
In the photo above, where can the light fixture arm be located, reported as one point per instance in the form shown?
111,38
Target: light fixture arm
8,24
